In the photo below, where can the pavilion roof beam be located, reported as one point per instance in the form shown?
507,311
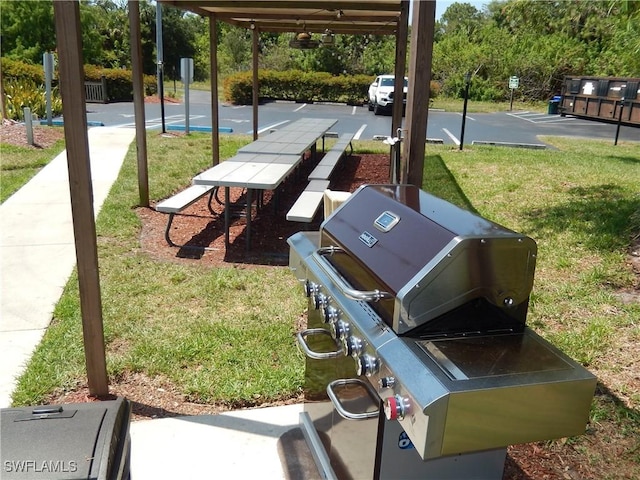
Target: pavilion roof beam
331,5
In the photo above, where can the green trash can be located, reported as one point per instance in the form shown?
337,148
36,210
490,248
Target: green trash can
554,105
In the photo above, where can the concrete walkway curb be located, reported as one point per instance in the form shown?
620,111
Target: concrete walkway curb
38,248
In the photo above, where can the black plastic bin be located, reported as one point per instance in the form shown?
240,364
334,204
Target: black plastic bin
80,440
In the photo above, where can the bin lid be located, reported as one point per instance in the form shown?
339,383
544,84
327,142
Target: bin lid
55,442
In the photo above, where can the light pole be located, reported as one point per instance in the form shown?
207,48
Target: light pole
467,82
619,121
160,55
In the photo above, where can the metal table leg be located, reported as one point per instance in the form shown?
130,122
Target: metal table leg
248,210
227,216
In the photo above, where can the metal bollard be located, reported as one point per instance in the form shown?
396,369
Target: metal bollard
28,121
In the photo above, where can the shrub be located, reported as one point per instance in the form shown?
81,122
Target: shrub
119,82
297,86
17,70
22,93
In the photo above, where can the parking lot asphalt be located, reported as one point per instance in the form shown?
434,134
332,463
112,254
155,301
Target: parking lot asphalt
519,126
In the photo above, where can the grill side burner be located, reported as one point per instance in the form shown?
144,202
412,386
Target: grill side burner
428,302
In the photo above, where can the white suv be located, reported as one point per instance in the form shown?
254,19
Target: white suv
381,93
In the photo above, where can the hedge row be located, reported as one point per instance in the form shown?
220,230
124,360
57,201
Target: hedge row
119,83
298,86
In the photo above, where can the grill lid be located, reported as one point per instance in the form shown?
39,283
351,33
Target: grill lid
430,255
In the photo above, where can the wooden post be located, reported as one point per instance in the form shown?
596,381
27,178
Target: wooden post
213,74
256,84
400,63
138,101
422,27
3,99
69,42
103,86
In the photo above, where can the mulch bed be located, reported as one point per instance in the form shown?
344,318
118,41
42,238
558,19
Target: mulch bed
203,233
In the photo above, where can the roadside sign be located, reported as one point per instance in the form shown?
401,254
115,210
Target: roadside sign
514,82
186,70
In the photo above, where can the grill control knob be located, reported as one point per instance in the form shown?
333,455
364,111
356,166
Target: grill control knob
331,314
395,408
320,300
386,382
351,346
366,365
340,329
310,288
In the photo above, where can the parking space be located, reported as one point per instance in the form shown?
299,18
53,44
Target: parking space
518,126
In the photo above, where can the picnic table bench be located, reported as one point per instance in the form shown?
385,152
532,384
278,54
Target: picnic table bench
181,200
261,165
307,204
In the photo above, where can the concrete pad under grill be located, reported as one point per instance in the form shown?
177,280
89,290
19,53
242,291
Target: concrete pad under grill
260,443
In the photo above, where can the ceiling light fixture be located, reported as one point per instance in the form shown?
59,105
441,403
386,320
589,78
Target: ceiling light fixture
328,38
303,41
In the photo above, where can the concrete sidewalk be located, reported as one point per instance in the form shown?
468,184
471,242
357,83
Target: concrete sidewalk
38,248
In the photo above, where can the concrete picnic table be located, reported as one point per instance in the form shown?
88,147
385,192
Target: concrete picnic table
264,164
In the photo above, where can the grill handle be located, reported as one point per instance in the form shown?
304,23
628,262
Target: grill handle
341,283
344,413
302,341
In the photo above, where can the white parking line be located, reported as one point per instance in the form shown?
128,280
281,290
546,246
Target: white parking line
300,107
468,117
451,136
270,127
554,119
359,132
157,122
523,117
537,117
354,110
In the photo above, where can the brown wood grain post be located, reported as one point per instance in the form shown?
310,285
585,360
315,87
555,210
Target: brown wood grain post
213,74
69,42
256,83
422,27
138,102
401,65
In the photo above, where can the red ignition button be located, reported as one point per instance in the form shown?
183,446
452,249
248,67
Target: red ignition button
391,408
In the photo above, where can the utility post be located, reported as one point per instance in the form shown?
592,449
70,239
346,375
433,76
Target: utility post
467,82
160,58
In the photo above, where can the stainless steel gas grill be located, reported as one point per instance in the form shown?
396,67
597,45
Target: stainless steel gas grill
417,332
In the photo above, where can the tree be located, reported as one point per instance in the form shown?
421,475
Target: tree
235,50
113,28
461,18
27,30
179,32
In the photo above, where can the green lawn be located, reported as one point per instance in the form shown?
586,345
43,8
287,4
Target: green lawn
20,164
226,335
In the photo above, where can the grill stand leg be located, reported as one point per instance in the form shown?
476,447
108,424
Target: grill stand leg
314,443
